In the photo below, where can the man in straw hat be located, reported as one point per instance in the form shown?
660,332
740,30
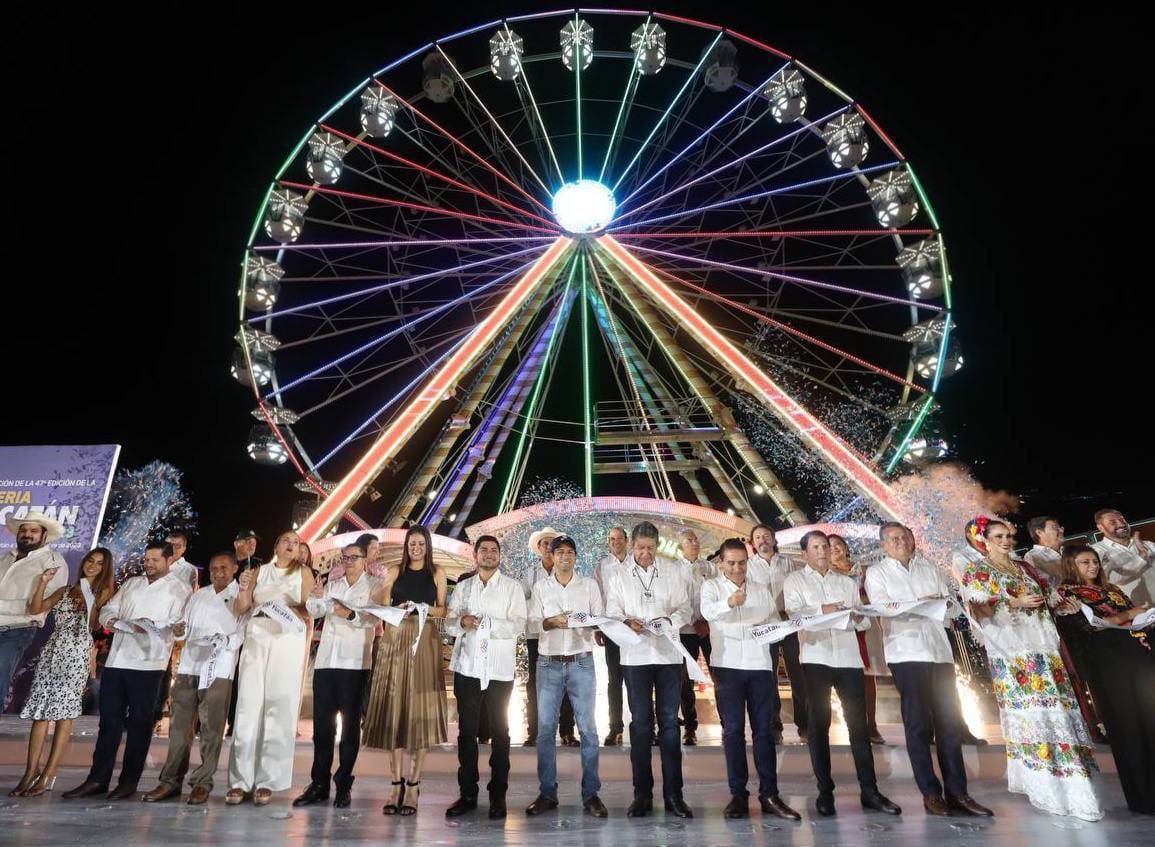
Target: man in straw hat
20,570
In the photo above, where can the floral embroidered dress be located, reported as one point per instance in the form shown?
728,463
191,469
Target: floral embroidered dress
1048,745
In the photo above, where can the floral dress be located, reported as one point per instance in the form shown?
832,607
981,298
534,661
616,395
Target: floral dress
1048,745
62,672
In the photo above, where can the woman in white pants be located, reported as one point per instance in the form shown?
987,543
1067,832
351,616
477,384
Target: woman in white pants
269,677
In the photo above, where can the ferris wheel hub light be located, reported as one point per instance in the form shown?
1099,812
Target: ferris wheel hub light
584,207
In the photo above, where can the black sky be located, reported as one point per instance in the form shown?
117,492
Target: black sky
140,145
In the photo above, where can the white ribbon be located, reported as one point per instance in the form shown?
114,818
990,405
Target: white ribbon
1140,622
422,614
392,615
484,629
772,633
281,613
89,597
935,609
208,674
662,628
613,629
155,634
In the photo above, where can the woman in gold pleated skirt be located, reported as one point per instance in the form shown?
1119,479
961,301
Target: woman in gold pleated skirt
408,709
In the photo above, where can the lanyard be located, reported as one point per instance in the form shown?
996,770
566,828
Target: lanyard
647,587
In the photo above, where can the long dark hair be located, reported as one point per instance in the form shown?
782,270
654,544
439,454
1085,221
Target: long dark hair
1069,571
417,529
105,584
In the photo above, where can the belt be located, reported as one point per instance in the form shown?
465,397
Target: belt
567,659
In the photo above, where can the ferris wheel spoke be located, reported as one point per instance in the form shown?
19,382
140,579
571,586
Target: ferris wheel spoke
701,137
626,104
665,115
381,339
512,146
523,78
732,163
392,284
466,148
415,242
380,151
791,278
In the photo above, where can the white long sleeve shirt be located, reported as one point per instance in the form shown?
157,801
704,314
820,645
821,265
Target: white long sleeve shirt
18,582
210,613
807,591
345,644
699,571
910,638
162,602
1047,561
608,565
772,573
551,598
732,644
1130,566
528,578
503,599
660,591
186,572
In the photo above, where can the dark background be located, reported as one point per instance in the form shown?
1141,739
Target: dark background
140,145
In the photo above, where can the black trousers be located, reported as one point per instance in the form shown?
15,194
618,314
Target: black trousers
850,683
788,649
694,645
616,685
929,702
565,721
336,692
650,686
469,696
127,701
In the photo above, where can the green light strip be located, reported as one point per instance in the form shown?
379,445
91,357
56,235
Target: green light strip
633,78
922,196
910,433
586,385
577,75
539,380
946,287
536,111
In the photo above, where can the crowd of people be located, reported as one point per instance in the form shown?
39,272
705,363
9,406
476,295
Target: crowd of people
1066,630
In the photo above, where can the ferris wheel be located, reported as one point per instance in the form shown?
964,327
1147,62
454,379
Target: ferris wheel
656,244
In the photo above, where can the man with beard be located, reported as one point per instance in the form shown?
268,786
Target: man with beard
20,571
1128,560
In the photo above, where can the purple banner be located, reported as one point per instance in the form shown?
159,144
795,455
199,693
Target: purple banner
68,483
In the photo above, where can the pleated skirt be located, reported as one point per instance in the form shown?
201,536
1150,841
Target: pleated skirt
408,708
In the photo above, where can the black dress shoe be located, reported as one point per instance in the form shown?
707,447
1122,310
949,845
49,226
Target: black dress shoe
972,740
530,742
86,789
875,800
966,803
641,807
343,799
773,805
690,738
570,741
935,805
122,792
738,807
594,807
678,806
541,804
497,809
614,739
825,805
312,794
460,806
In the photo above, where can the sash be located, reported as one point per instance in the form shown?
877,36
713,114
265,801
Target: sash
208,673
935,610
614,630
392,615
772,633
282,614
89,597
661,628
484,629
1140,622
155,634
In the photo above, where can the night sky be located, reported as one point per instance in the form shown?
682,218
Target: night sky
139,148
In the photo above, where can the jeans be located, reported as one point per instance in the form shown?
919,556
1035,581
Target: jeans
788,648
555,680
467,690
127,699
929,700
565,720
739,692
851,687
13,643
694,645
336,692
648,686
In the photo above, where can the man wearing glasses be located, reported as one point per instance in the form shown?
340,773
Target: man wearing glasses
344,660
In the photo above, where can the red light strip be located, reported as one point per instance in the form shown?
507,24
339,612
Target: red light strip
405,204
448,179
485,163
817,342
834,449
428,398
886,138
781,233
760,44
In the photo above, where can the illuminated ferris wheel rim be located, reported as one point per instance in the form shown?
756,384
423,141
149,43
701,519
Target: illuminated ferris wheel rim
274,413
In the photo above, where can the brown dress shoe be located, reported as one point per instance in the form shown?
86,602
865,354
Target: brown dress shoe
161,793
773,805
200,795
935,805
540,805
965,803
595,807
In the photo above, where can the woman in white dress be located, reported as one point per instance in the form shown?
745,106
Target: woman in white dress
1048,744
64,667
269,676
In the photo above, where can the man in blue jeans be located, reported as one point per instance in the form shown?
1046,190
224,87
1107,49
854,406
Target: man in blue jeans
565,665
653,599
